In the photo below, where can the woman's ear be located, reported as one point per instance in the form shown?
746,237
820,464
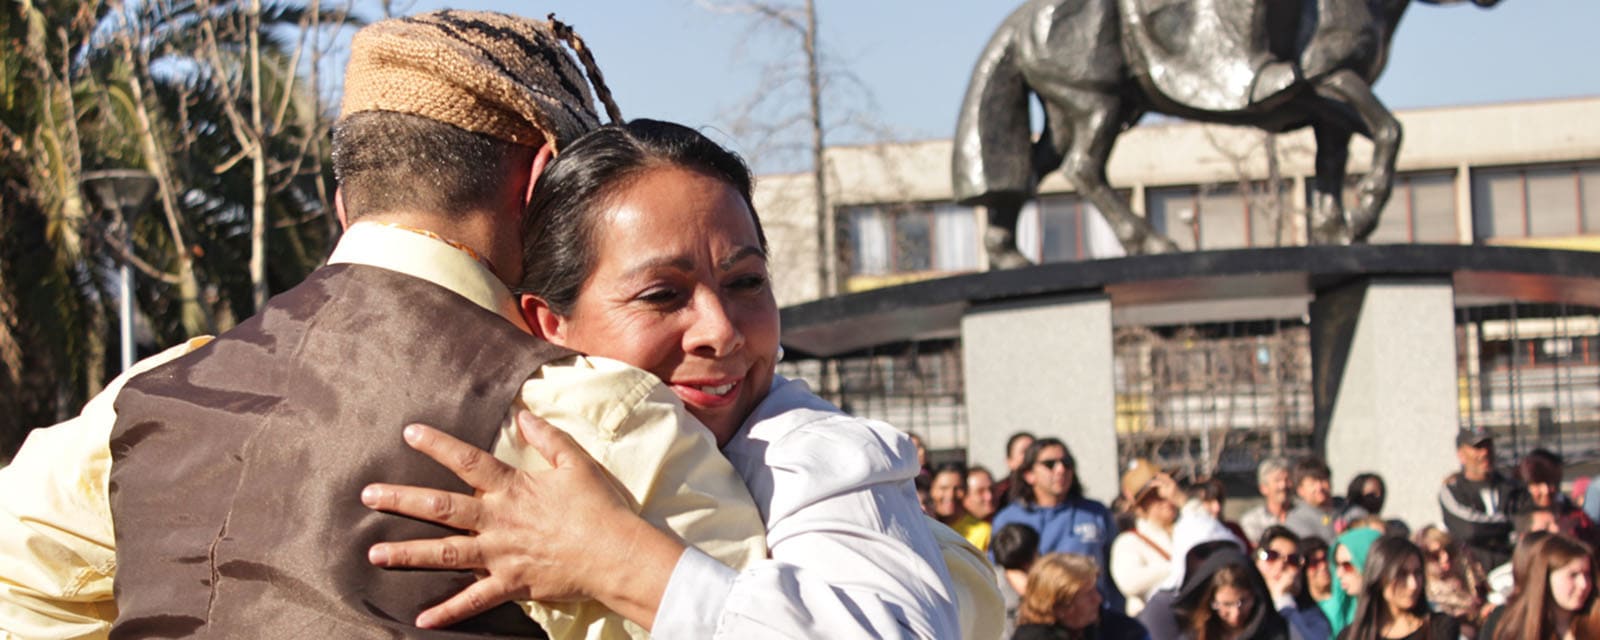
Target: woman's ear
544,321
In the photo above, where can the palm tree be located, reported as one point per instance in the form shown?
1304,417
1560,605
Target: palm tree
154,85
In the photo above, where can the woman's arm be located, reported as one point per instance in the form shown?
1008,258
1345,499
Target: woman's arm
558,535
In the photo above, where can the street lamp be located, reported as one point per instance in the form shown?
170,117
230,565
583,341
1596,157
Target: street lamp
125,191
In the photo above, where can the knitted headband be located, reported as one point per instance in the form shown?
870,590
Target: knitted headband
499,75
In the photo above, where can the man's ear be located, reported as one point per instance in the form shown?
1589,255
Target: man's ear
540,161
338,208
544,321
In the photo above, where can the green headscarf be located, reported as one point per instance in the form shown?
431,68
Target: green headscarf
1341,608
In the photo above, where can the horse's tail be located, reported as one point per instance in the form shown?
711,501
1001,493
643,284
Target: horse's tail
993,142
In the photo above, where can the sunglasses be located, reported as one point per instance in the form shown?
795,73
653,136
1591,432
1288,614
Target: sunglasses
1316,560
1224,605
1346,566
1052,463
1291,559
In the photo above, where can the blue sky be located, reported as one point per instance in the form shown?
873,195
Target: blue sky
673,59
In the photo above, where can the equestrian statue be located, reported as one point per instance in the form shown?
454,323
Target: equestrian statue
1097,66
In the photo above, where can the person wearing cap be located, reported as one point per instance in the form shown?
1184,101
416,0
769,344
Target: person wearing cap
1476,501
1141,557
217,482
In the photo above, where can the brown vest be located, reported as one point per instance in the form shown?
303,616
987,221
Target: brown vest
237,469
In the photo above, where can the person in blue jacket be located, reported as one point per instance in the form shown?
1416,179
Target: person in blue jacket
1048,497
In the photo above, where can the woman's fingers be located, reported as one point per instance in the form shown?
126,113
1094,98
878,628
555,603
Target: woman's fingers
481,596
473,465
454,510
457,552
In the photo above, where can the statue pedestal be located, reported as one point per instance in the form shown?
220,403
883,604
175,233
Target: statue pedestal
1042,365
1383,354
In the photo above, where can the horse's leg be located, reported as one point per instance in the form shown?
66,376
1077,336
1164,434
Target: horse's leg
1384,130
1327,224
1086,125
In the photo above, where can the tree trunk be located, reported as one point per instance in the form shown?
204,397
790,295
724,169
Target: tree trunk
258,168
825,281
196,321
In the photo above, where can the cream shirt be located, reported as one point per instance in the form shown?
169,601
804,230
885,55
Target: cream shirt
57,545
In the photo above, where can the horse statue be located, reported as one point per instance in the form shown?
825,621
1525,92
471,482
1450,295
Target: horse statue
1097,66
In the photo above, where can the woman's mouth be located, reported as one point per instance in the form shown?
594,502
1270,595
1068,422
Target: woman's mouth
706,395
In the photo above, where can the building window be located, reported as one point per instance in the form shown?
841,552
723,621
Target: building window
1066,228
909,238
1543,201
1422,208
1219,216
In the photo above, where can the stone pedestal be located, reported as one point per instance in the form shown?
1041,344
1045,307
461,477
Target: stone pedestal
1043,365
1384,382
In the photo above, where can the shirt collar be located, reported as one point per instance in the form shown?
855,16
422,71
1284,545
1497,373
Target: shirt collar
434,260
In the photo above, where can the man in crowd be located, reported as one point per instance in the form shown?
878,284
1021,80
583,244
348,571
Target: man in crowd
1313,510
1476,501
1272,480
1016,446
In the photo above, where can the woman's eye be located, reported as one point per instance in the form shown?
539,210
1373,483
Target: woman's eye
750,282
659,296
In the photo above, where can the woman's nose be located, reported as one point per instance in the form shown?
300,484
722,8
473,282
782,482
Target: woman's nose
714,331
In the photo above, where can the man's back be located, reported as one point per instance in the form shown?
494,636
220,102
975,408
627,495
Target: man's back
235,466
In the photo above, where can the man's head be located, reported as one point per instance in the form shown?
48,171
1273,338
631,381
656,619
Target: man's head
1048,474
446,116
1475,451
1272,479
1017,446
1313,482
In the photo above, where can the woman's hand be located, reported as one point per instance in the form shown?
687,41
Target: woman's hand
567,533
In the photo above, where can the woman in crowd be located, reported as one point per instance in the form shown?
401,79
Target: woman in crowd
1349,560
1226,599
1456,584
1540,471
948,494
646,249
1282,566
1364,498
1196,536
1554,598
1141,557
1318,573
1062,603
1393,604
1015,547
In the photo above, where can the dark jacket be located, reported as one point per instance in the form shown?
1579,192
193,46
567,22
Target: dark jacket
1478,514
1112,626
236,469
1264,623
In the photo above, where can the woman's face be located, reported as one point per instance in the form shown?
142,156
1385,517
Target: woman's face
1317,576
680,289
1081,611
1569,584
1233,605
1403,592
1349,574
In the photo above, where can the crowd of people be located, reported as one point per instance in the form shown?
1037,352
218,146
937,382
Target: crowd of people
1512,555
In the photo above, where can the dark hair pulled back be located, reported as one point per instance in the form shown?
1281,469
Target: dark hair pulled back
559,231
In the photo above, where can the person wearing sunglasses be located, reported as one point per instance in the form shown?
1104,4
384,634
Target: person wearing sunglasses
1318,573
1393,604
1456,584
1226,599
1047,496
1349,558
1281,564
